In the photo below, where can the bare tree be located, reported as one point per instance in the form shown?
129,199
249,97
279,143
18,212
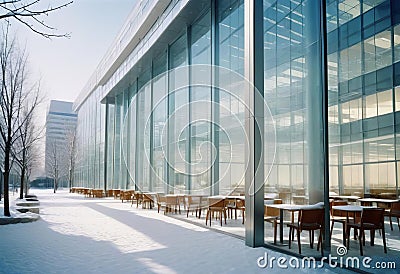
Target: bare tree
71,139
30,13
28,135
13,96
56,161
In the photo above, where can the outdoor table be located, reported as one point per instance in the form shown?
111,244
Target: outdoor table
345,197
282,207
270,196
369,201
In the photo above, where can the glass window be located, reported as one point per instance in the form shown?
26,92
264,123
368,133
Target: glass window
396,43
348,9
385,102
369,4
383,50
397,97
350,63
371,106
201,40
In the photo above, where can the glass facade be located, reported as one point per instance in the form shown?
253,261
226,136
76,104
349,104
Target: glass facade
362,87
143,133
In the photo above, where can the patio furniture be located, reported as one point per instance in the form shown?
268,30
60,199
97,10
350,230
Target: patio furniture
271,215
216,205
371,219
241,205
282,207
147,201
338,216
172,204
126,195
309,220
161,201
193,204
235,203
110,193
116,193
138,197
394,212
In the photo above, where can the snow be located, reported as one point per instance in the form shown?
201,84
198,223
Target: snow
86,235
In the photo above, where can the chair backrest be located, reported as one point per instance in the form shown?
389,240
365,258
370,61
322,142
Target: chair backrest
338,213
147,197
240,203
270,211
161,198
311,217
216,202
373,216
172,200
194,200
395,207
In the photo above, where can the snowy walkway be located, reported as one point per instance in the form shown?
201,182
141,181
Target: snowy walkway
83,235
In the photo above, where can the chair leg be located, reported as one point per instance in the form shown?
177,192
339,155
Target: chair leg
347,237
320,242
384,238
275,230
290,239
360,238
312,238
390,220
372,235
298,240
207,217
333,222
224,215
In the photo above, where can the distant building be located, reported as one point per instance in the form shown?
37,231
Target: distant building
60,126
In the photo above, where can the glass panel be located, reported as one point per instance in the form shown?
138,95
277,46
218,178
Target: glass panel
385,102
396,43
371,106
348,9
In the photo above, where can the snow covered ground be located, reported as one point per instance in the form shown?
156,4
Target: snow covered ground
85,235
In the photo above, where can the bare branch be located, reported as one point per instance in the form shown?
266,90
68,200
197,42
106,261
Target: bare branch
26,11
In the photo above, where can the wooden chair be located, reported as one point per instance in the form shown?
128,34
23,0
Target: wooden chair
161,202
116,193
193,204
147,200
110,193
271,215
216,205
241,205
311,220
172,204
338,217
138,197
371,219
394,211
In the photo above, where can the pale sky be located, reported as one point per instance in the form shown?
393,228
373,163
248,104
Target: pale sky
65,65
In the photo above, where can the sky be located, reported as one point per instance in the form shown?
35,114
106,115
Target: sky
64,65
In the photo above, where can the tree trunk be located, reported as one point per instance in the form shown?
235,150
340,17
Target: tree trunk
55,185
21,192
6,178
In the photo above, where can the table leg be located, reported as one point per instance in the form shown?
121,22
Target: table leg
281,225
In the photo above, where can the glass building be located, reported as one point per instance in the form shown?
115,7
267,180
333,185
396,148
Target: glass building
348,85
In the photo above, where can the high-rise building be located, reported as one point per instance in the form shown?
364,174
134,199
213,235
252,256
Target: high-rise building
60,128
